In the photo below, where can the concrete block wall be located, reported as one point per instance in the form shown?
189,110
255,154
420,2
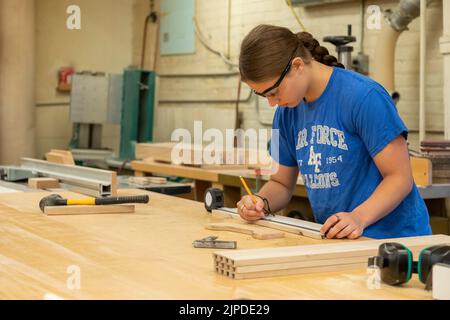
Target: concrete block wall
111,39
320,21
104,43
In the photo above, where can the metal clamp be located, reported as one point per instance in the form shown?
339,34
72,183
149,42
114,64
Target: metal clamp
211,242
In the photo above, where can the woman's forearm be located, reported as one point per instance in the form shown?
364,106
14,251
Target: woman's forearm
386,197
277,194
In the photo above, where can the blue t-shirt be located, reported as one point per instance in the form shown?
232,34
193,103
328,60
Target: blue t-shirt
333,141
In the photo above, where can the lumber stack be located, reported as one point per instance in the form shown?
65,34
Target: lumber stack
281,261
202,156
438,152
436,148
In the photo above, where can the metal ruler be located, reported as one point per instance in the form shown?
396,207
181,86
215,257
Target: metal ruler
282,220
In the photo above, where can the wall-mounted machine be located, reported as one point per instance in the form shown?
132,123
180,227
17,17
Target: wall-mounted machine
97,99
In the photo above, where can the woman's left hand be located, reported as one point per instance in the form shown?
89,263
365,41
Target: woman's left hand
344,225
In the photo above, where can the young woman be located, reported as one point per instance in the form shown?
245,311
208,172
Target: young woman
341,131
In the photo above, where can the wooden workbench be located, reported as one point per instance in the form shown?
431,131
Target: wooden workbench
203,179
148,255
228,180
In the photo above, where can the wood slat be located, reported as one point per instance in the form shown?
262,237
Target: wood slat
312,258
255,231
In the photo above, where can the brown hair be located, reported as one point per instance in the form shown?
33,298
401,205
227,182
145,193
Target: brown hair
265,52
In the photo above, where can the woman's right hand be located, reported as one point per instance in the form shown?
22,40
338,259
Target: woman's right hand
250,211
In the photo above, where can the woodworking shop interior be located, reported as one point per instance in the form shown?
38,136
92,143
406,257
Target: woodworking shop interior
224,149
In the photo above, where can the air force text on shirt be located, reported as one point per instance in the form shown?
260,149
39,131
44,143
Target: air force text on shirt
320,135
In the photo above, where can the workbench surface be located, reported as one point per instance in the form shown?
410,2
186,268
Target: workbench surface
148,255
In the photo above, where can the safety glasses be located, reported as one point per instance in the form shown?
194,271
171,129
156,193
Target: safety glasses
280,79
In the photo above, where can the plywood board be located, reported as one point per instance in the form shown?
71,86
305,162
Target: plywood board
422,171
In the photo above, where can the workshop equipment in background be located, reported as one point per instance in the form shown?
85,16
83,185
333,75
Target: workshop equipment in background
95,100
343,50
90,181
13,173
396,263
137,110
257,232
330,257
211,242
214,199
282,223
54,204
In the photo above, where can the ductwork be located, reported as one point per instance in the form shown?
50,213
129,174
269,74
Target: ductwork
406,11
397,21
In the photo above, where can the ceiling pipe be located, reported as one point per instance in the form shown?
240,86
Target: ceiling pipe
396,22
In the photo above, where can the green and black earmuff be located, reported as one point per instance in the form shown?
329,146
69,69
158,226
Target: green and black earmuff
397,265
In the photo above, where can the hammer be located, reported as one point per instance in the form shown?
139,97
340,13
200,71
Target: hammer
57,200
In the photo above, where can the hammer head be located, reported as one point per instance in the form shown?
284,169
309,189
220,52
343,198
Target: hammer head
51,200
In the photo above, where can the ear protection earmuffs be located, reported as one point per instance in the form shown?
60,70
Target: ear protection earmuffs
397,265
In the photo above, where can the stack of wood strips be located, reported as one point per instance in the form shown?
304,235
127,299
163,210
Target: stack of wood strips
438,152
438,148
202,156
347,255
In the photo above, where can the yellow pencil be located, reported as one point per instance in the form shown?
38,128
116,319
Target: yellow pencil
247,189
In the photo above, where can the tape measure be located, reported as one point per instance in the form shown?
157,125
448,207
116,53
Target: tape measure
214,199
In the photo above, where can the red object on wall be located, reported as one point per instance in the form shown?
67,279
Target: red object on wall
64,78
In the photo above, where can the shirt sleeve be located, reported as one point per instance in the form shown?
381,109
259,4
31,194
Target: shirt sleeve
377,121
282,144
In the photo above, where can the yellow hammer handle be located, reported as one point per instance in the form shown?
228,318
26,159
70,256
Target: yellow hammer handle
87,201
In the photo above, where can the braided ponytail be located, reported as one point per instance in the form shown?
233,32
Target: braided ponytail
265,52
318,52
